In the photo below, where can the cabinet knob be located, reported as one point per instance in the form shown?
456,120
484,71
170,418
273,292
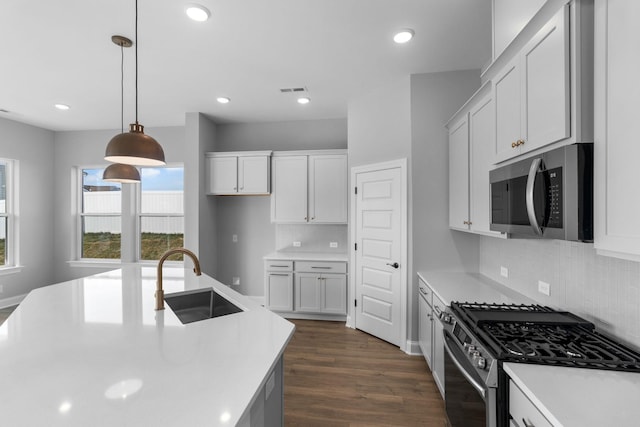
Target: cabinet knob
514,145
521,142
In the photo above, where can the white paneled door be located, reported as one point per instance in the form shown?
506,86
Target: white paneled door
378,255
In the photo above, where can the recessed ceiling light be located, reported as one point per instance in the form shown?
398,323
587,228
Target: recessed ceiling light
62,107
403,36
223,100
198,13
304,100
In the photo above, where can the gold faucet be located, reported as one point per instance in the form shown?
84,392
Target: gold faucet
159,291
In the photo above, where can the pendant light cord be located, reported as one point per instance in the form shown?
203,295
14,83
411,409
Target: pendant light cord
136,35
122,88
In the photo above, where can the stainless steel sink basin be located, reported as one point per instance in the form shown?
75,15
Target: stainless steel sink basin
199,304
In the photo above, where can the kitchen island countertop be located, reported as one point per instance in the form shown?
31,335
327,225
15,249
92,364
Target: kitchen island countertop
93,351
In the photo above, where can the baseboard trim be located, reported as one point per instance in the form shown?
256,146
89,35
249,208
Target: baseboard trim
413,348
11,301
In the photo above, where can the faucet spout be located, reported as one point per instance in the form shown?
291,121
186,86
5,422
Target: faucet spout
163,258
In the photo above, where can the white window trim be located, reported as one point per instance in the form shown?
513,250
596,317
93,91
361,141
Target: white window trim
130,208
12,245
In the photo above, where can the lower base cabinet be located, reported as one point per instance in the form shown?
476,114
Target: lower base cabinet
430,332
306,287
267,408
522,412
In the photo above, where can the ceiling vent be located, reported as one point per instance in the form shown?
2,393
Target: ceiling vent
293,89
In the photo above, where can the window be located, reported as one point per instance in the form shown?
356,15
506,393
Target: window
7,209
134,222
100,216
161,212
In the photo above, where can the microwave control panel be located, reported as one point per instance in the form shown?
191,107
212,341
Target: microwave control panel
554,197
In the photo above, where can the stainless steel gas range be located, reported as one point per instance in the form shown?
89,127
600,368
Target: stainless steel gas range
480,337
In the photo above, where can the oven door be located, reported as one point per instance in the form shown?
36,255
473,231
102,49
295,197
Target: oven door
469,403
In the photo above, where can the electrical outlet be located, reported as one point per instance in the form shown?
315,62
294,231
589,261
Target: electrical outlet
236,281
234,238
544,288
333,244
504,271
296,244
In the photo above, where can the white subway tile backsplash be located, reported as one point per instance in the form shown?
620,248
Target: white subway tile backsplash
604,290
312,237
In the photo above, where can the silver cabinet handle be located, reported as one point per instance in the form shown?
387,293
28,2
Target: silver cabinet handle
531,181
323,268
527,424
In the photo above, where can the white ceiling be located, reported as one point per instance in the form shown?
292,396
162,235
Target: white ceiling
61,52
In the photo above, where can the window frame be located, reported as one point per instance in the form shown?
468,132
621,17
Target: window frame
130,216
12,254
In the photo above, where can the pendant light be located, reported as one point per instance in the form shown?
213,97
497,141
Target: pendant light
119,172
134,147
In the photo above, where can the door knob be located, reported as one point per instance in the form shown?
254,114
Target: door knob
394,265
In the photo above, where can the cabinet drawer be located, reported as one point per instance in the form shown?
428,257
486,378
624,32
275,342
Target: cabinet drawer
321,267
425,291
274,265
523,411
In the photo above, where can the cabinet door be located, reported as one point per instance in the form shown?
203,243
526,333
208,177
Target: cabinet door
506,95
253,174
289,199
334,294
279,291
459,174
425,330
616,147
223,175
308,291
481,140
545,84
523,410
328,188
438,348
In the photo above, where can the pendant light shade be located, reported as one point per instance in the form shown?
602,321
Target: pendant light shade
118,172
135,148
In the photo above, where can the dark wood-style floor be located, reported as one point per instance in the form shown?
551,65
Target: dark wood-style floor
337,376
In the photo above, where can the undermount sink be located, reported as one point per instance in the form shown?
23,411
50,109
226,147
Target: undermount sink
199,304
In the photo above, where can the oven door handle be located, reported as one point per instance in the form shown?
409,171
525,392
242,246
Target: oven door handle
479,388
531,182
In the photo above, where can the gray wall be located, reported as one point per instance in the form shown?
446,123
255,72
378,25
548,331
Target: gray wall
32,147
603,290
249,217
86,148
200,234
405,118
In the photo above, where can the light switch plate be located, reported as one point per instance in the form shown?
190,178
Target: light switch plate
504,271
236,281
234,238
544,288
333,244
296,244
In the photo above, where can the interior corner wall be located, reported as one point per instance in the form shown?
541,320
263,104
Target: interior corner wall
249,217
200,219
86,148
32,147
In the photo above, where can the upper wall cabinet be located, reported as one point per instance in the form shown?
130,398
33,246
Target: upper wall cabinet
532,92
471,137
309,187
235,173
543,82
617,84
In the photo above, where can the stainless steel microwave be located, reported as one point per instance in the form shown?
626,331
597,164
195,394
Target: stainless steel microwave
547,196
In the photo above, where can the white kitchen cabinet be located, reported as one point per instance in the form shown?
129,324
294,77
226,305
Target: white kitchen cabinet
321,293
306,288
310,187
523,411
616,150
430,332
235,173
471,138
531,93
459,174
509,17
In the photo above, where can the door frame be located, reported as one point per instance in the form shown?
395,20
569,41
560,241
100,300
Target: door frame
351,315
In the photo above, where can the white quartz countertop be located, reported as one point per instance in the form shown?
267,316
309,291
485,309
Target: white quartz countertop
307,256
94,352
470,287
577,397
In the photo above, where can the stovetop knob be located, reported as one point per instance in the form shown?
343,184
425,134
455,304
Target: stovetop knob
471,349
481,363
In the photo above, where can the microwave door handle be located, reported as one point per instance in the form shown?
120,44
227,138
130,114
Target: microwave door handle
531,182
